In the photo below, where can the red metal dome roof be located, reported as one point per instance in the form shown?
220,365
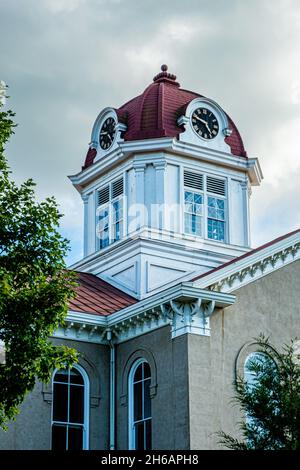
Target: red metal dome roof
154,114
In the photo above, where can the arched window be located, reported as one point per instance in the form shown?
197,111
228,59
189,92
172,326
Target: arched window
250,375
70,409
140,418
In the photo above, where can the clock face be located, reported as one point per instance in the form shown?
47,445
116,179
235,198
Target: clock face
107,133
205,123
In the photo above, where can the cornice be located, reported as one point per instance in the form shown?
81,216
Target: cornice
253,267
147,237
185,307
172,146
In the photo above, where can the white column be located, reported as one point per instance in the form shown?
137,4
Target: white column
229,212
159,213
85,199
140,209
246,189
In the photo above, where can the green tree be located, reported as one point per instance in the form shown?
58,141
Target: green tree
34,285
270,402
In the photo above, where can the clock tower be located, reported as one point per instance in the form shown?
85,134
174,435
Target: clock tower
165,186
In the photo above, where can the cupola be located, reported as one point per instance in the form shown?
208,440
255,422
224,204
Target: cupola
166,185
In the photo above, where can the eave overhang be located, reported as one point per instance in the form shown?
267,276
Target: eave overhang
147,315
171,146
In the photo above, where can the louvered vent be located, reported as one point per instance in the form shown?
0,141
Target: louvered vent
215,186
117,188
193,180
103,195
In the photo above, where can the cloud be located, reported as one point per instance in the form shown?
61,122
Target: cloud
58,6
65,60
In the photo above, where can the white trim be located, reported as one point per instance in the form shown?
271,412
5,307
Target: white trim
148,315
253,267
191,136
126,149
95,135
145,315
86,414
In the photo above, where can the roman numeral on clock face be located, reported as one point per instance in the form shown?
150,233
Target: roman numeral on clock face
205,123
107,133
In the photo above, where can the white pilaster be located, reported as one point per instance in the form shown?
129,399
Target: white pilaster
140,209
160,169
86,231
246,193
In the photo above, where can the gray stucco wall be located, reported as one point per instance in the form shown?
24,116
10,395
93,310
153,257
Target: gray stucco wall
32,428
192,383
269,305
170,410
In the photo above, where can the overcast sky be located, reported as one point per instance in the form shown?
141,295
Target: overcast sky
65,60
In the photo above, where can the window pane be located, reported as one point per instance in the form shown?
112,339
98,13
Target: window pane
59,434
198,208
138,390
61,376
211,201
196,225
221,204
221,214
117,231
60,402
75,438
138,373
147,371
76,404
192,224
216,208
104,238
147,399
250,376
76,377
139,436
188,196
216,229
103,219
198,198
148,437
188,207
212,212
116,211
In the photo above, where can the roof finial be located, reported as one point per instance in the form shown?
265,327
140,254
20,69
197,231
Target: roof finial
165,76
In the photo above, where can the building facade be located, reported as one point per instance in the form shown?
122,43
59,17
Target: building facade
170,294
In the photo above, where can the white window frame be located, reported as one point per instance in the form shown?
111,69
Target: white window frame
113,224
109,205
206,194
131,422
99,209
86,413
222,198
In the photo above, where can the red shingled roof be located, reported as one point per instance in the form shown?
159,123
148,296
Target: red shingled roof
97,296
249,253
154,114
